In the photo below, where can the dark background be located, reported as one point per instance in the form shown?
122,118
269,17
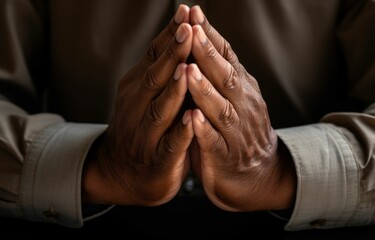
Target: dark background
189,217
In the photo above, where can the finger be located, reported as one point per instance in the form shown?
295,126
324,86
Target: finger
174,146
218,109
164,109
197,17
211,143
158,74
218,70
159,44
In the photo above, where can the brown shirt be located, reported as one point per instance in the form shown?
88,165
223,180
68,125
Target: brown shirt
60,62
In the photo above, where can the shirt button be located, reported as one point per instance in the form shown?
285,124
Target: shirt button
318,223
50,213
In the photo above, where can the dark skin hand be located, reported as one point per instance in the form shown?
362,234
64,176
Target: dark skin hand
142,158
237,155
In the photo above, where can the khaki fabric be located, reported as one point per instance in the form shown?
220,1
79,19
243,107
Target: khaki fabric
61,61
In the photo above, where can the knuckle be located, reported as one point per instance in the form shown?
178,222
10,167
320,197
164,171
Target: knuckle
211,52
228,53
223,47
217,143
151,81
169,147
207,91
151,54
227,116
173,143
231,81
154,115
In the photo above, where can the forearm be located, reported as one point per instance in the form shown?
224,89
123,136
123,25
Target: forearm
333,183
41,165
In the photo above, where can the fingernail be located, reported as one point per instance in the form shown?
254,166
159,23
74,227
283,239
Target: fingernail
179,15
181,34
177,73
197,75
199,16
202,38
200,116
186,118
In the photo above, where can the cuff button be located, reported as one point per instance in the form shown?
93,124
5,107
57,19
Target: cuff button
50,213
318,223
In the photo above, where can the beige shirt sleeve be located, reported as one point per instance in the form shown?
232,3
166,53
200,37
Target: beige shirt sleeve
41,159
335,171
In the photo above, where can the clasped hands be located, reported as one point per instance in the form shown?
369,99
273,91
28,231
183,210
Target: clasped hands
154,138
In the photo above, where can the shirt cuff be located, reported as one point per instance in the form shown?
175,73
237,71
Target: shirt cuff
327,177
50,189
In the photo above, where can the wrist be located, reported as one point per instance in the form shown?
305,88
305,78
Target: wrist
92,177
287,182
